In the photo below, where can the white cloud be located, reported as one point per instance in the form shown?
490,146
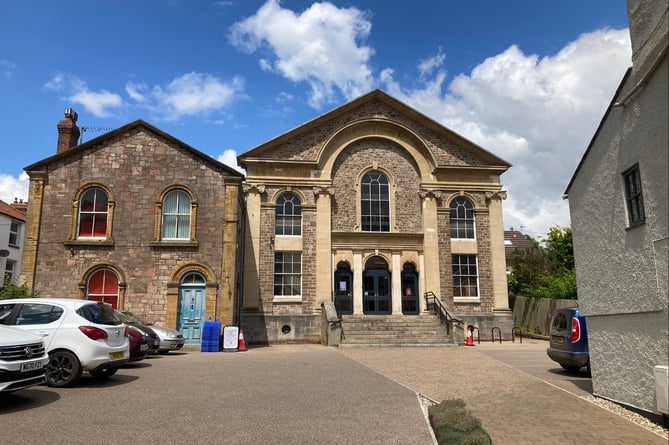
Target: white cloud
192,94
539,114
11,187
229,158
321,46
75,90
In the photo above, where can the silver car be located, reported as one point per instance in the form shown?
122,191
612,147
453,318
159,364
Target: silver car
170,339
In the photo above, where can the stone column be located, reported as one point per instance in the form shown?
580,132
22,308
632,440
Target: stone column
430,241
396,292
323,244
357,284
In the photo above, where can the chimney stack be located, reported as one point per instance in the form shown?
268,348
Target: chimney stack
68,132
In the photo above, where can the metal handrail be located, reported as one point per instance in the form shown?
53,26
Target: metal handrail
438,307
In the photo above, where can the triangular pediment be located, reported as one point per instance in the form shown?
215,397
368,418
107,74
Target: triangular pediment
306,142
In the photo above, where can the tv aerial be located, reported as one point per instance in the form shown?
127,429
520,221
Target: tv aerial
93,129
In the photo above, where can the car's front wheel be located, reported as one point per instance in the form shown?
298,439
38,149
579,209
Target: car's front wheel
63,369
104,373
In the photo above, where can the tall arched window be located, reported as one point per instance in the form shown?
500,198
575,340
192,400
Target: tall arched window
176,216
103,286
93,213
288,217
462,218
375,202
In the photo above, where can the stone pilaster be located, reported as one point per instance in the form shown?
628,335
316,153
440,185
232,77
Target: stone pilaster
323,244
32,229
430,240
251,290
499,284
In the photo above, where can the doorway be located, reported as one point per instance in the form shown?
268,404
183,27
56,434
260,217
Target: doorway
192,297
343,281
376,295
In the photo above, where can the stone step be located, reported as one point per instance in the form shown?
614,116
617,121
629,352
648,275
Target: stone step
394,330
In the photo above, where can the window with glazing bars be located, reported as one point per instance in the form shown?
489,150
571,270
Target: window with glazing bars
93,212
462,218
465,276
287,274
288,216
375,202
633,195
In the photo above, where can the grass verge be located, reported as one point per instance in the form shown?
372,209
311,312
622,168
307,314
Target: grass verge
453,424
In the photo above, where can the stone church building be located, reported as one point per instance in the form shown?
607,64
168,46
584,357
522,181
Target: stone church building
138,219
370,207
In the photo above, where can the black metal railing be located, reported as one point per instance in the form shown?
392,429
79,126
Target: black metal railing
436,306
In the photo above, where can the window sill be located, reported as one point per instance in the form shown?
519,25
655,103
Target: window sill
472,300
287,300
89,242
172,244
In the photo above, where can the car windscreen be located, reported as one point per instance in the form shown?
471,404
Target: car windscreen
99,313
134,318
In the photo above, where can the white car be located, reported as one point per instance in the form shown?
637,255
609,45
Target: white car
23,358
79,335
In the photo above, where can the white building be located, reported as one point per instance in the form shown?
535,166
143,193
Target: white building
12,226
618,199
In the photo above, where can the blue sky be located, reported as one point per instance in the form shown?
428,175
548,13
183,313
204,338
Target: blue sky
528,80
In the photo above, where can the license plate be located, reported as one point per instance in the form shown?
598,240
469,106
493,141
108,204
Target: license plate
30,366
116,355
558,339
143,347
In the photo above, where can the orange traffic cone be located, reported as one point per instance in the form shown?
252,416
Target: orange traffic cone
469,341
241,346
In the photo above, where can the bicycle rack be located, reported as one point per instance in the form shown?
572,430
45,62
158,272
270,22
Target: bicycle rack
513,334
499,332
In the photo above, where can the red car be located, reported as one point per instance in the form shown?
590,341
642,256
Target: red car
139,346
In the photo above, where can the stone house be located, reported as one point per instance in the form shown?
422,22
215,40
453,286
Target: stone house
371,205
618,200
138,219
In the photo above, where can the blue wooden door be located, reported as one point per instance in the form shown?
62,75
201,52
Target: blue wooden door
191,313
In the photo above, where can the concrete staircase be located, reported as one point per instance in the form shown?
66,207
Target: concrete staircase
394,330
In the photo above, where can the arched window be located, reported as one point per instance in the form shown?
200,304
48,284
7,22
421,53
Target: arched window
375,202
103,286
193,279
462,218
288,219
93,213
176,216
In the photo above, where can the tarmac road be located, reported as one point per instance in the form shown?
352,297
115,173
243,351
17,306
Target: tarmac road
311,394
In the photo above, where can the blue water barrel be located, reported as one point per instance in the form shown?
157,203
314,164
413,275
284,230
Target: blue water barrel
211,336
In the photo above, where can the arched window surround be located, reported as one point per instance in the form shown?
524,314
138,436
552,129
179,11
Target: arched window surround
158,223
76,214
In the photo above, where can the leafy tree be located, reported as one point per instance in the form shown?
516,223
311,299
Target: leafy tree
545,270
